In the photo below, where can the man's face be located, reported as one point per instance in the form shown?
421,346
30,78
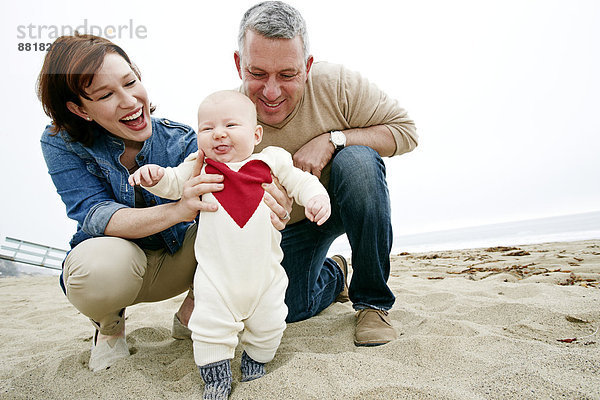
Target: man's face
273,74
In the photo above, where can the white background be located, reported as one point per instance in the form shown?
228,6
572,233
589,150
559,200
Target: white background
505,95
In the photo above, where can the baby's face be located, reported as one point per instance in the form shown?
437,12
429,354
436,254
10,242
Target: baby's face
227,131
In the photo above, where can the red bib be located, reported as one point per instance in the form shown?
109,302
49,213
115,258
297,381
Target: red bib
242,192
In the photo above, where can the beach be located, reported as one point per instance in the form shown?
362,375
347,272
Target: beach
516,322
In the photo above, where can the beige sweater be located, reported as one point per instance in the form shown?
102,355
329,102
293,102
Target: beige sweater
336,98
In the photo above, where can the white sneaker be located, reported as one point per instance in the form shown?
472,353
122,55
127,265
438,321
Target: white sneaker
107,352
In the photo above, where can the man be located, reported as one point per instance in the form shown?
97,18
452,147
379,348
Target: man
337,126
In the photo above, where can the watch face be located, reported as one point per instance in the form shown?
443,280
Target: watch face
338,138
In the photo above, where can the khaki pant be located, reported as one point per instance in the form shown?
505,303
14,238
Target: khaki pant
104,275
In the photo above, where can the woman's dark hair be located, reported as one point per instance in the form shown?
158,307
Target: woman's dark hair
69,67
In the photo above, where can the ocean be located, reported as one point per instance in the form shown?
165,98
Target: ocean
565,228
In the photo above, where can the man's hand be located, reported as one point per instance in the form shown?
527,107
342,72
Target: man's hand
147,175
318,209
314,155
279,202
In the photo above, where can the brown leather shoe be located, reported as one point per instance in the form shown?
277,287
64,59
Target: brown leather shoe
343,264
373,328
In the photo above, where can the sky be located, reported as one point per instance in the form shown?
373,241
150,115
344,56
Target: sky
504,95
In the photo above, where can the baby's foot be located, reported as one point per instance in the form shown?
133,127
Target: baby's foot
217,380
251,369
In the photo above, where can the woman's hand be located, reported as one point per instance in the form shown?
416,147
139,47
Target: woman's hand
191,202
279,202
135,223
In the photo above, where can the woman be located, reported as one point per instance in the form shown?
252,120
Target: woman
130,246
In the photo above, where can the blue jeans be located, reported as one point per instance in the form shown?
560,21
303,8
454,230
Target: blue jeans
361,209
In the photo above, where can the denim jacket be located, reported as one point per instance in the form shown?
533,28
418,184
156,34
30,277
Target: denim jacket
92,182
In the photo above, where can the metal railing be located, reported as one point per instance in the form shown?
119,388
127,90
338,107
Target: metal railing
22,251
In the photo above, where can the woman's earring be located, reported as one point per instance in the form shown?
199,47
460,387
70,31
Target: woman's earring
88,118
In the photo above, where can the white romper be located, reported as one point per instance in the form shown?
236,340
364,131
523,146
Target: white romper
239,283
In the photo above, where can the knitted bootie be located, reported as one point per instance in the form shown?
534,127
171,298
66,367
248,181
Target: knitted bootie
217,380
251,369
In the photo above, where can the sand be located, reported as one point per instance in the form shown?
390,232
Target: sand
472,324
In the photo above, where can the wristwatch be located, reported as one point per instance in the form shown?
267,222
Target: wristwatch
338,139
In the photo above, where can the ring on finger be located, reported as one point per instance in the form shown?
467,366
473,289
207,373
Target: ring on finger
286,216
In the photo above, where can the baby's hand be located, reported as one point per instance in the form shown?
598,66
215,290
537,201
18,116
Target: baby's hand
318,209
147,175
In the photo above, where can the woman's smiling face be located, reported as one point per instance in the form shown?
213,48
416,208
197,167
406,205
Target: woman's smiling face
117,101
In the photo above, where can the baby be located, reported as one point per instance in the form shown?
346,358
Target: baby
239,284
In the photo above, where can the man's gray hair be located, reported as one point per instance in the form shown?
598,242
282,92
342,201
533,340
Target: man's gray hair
275,20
